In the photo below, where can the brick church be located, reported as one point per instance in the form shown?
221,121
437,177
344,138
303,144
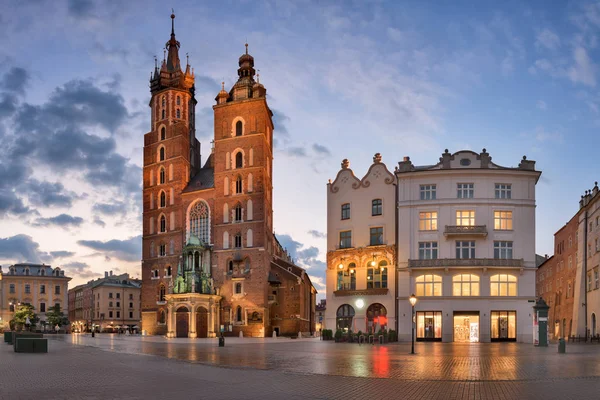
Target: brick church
211,262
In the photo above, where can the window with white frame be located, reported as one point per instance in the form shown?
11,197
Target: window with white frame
465,249
376,236
503,190
589,281
377,276
345,239
376,207
503,285
428,250
428,285
465,217
503,250
162,250
503,220
465,190
428,221
465,285
346,211
428,192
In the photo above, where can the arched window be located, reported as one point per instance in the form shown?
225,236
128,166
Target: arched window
465,285
226,186
230,267
247,265
428,285
162,317
225,240
178,113
162,292
163,199
238,241
155,273
169,271
161,154
225,213
238,185
344,317
163,133
249,210
239,160
161,175
377,276
237,216
164,101
163,223
238,288
164,114
178,100
376,318
200,222
239,126
43,272
238,314
347,277
249,238
503,285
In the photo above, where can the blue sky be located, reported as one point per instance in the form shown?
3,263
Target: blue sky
344,79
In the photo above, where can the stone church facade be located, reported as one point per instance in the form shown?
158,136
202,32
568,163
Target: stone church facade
211,262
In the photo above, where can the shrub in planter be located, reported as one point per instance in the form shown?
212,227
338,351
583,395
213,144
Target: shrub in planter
392,336
338,335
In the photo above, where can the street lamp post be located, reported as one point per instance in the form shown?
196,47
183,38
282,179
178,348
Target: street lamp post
413,301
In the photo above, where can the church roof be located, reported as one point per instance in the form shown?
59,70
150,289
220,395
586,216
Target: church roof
204,179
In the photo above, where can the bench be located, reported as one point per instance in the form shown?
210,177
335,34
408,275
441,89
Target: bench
31,345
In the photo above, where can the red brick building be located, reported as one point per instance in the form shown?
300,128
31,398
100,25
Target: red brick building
555,280
210,260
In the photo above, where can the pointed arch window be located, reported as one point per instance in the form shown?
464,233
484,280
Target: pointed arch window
239,160
239,127
163,133
163,224
238,314
238,213
162,293
163,199
161,176
238,185
238,241
162,154
164,101
200,222
178,113
164,114
230,267
178,100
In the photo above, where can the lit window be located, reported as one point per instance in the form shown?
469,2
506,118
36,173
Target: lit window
376,235
503,191
428,285
465,249
503,250
428,221
503,285
377,276
376,207
427,192
346,211
465,285
345,239
465,190
503,220
428,250
347,278
465,218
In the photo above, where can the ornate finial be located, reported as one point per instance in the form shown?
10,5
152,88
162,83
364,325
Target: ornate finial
377,158
155,62
524,158
596,183
165,54
246,47
187,57
484,150
172,22
223,85
258,75
345,163
446,151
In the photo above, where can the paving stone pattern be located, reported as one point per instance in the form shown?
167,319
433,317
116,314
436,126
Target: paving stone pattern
113,367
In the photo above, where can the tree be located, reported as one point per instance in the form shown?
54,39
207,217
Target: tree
54,316
22,312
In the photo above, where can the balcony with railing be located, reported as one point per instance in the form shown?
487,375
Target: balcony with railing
465,230
346,290
466,262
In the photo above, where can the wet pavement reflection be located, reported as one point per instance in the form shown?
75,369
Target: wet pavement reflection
433,361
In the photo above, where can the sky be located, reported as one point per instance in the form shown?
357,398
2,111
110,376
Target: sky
344,79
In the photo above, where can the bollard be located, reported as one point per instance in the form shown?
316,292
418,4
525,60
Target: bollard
241,334
221,341
93,334
562,346
380,339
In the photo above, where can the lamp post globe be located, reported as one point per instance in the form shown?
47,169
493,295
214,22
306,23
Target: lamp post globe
413,301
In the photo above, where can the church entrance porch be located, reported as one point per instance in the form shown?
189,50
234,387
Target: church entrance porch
193,315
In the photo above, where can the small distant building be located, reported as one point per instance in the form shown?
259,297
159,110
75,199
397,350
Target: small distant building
39,285
320,315
106,304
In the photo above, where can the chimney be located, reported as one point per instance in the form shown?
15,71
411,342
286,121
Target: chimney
105,274
110,273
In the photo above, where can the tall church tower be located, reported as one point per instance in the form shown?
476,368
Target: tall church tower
171,157
243,157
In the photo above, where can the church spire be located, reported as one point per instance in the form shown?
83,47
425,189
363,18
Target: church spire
173,63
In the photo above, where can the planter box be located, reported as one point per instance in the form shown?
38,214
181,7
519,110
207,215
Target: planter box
16,335
31,345
8,337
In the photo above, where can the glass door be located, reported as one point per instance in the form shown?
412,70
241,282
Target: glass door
466,327
429,325
504,326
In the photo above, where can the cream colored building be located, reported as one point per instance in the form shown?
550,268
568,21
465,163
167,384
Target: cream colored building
466,248
361,253
39,285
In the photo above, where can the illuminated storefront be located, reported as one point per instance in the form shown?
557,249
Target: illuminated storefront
466,327
503,326
429,326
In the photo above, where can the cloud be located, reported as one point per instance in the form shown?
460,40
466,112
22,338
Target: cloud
281,134
541,135
15,80
81,269
321,150
80,8
115,208
394,34
48,194
11,204
541,104
63,220
22,248
306,257
316,234
297,151
126,250
99,222
584,70
548,39
61,254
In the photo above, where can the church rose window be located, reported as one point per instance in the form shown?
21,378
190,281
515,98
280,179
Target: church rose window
199,222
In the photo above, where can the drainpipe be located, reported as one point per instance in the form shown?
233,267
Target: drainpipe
397,253
585,274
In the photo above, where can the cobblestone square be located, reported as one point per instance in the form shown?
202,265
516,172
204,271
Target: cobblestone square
120,367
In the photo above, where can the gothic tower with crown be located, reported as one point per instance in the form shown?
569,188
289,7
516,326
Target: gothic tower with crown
210,261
